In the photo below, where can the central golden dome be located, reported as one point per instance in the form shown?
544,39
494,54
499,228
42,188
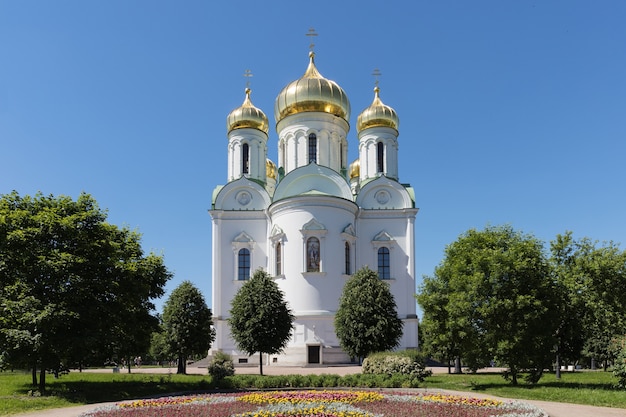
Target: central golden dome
312,92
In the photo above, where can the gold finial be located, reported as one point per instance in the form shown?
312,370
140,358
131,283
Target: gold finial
312,34
376,73
247,73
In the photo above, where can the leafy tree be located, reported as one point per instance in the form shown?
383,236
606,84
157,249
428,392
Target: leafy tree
188,324
592,281
159,349
367,320
565,256
63,269
497,300
260,319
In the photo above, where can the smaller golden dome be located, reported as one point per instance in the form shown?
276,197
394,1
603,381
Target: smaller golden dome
270,169
377,114
247,116
355,169
312,93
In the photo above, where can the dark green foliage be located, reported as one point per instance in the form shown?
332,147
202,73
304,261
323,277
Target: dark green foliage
367,320
260,320
592,279
187,323
492,298
73,288
221,366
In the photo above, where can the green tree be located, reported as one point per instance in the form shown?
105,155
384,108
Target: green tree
63,269
367,319
592,281
260,319
188,324
499,301
565,255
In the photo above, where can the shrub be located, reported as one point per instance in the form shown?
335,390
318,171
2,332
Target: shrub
221,366
619,368
409,362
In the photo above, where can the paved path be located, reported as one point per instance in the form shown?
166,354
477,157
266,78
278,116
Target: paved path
553,409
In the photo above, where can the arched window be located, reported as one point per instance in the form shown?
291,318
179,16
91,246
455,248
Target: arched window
313,255
245,158
383,263
312,148
380,157
243,270
279,259
348,269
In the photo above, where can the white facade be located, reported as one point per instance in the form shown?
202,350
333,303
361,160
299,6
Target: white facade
310,220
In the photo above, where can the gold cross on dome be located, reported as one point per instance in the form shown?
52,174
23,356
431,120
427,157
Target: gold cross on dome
376,74
247,73
312,34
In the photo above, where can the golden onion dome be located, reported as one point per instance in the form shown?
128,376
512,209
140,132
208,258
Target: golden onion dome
377,114
247,116
270,169
355,169
312,93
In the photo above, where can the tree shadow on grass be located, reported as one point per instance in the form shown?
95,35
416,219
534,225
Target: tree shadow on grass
92,392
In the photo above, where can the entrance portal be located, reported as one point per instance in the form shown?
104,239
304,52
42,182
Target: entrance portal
314,354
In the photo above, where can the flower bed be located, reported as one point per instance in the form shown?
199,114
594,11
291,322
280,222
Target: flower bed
305,403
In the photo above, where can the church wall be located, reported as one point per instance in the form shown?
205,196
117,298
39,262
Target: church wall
314,296
231,226
398,226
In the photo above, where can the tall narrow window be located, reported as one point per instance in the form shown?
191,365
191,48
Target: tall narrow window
348,269
245,158
341,166
243,270
313,255
279,259
383,263
312,148
380,157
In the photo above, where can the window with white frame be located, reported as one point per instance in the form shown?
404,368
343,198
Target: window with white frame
243,246
384,267
349,237
277,239
383,244
313,234
243,264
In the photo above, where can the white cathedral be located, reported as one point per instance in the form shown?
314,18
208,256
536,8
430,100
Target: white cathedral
310,219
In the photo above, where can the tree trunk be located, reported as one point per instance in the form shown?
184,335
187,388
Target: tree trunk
34,374
593,364
513,377
42,380
457,365
261,362
558,367
181,365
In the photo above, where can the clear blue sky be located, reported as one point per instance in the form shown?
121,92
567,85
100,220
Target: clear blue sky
510,111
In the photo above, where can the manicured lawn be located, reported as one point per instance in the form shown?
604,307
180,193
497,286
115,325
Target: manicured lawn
584,387
593,388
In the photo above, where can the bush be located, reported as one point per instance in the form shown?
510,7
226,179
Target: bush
409,362
221,366
619,368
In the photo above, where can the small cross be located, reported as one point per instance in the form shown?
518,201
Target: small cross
247,73
376,74
312,33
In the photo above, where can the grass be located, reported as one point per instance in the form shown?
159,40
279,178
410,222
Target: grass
590,387
587,387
